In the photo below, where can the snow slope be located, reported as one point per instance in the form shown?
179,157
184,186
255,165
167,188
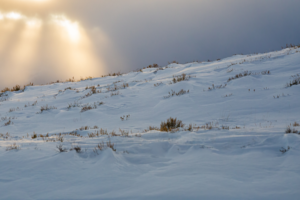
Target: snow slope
208,162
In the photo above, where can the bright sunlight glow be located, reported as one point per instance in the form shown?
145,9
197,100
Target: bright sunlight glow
71,27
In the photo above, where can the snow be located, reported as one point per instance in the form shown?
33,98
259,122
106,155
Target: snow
243,162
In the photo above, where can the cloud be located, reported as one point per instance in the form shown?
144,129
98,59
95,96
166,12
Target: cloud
129,34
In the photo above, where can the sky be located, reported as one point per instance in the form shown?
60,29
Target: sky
48,40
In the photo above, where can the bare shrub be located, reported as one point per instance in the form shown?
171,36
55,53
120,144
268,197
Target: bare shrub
172,123
14,146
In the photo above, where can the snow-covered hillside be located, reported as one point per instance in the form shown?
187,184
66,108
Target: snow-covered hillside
233,145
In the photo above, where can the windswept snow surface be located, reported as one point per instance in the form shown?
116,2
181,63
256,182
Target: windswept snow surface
245,162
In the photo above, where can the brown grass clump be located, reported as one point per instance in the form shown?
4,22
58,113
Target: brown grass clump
34,135
246,73
182,77
87,107
101,146
16,88
8,123
296,124
124,133
172,123
110,145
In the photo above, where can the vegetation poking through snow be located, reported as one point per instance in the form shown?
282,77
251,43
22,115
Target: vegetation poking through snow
170,124
8,123
158,84
16,88
13,146
282,95
88,106
284,150
61,148
295,81
181,77
246,73
216,87
290,130
114,93
173,93
101,146
30,104
77,149
46,108
125,117
228,95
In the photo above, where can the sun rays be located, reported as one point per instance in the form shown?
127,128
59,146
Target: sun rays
53,45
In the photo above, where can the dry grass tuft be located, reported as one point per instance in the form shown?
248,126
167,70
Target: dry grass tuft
172,123
296,124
